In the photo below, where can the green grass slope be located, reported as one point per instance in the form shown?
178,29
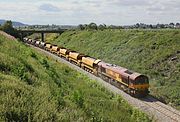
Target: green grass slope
33,87
155,53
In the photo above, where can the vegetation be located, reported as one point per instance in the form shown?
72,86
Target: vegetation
94,26
155,53
8,28
33,87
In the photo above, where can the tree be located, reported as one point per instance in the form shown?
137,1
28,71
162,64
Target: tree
177,24
137,25
81,27
171,25
102,27
160,26
92,26
85,26
8,28
115,27
150,26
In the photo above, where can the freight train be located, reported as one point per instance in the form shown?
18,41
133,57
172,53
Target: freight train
133,83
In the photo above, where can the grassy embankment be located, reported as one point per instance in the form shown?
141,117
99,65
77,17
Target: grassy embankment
155,53
33,87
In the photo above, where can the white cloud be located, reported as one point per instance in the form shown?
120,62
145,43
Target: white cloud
85,11
49,8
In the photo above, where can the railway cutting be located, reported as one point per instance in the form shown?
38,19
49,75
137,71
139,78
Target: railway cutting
157,110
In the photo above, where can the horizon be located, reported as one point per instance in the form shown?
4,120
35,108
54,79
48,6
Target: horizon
85,23
71,12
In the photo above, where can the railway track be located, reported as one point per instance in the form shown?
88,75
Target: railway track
157,110
162,108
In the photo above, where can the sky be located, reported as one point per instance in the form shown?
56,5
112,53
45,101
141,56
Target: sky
74,12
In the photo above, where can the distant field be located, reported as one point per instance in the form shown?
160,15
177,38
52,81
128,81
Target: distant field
155,53
33,87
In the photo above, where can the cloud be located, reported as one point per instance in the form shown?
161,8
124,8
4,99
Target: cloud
118,12
166,8
130,2
155,9
49,8
94,3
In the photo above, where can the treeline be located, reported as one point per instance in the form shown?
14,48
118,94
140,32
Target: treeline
94,26
8,28
155,26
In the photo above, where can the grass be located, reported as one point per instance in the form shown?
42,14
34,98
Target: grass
155,53
34,87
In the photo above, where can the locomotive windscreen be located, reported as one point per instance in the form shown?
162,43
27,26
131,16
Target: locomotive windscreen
141,80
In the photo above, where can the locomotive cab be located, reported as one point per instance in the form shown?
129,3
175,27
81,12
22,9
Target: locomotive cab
141,85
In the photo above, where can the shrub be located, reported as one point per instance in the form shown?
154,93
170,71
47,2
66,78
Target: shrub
34,55
8,28
78,98
44,62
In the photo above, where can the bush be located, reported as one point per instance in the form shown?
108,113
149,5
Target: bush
34,55
78,98
8,28
45,63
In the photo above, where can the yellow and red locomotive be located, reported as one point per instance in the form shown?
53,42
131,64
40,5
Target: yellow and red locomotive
131,82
